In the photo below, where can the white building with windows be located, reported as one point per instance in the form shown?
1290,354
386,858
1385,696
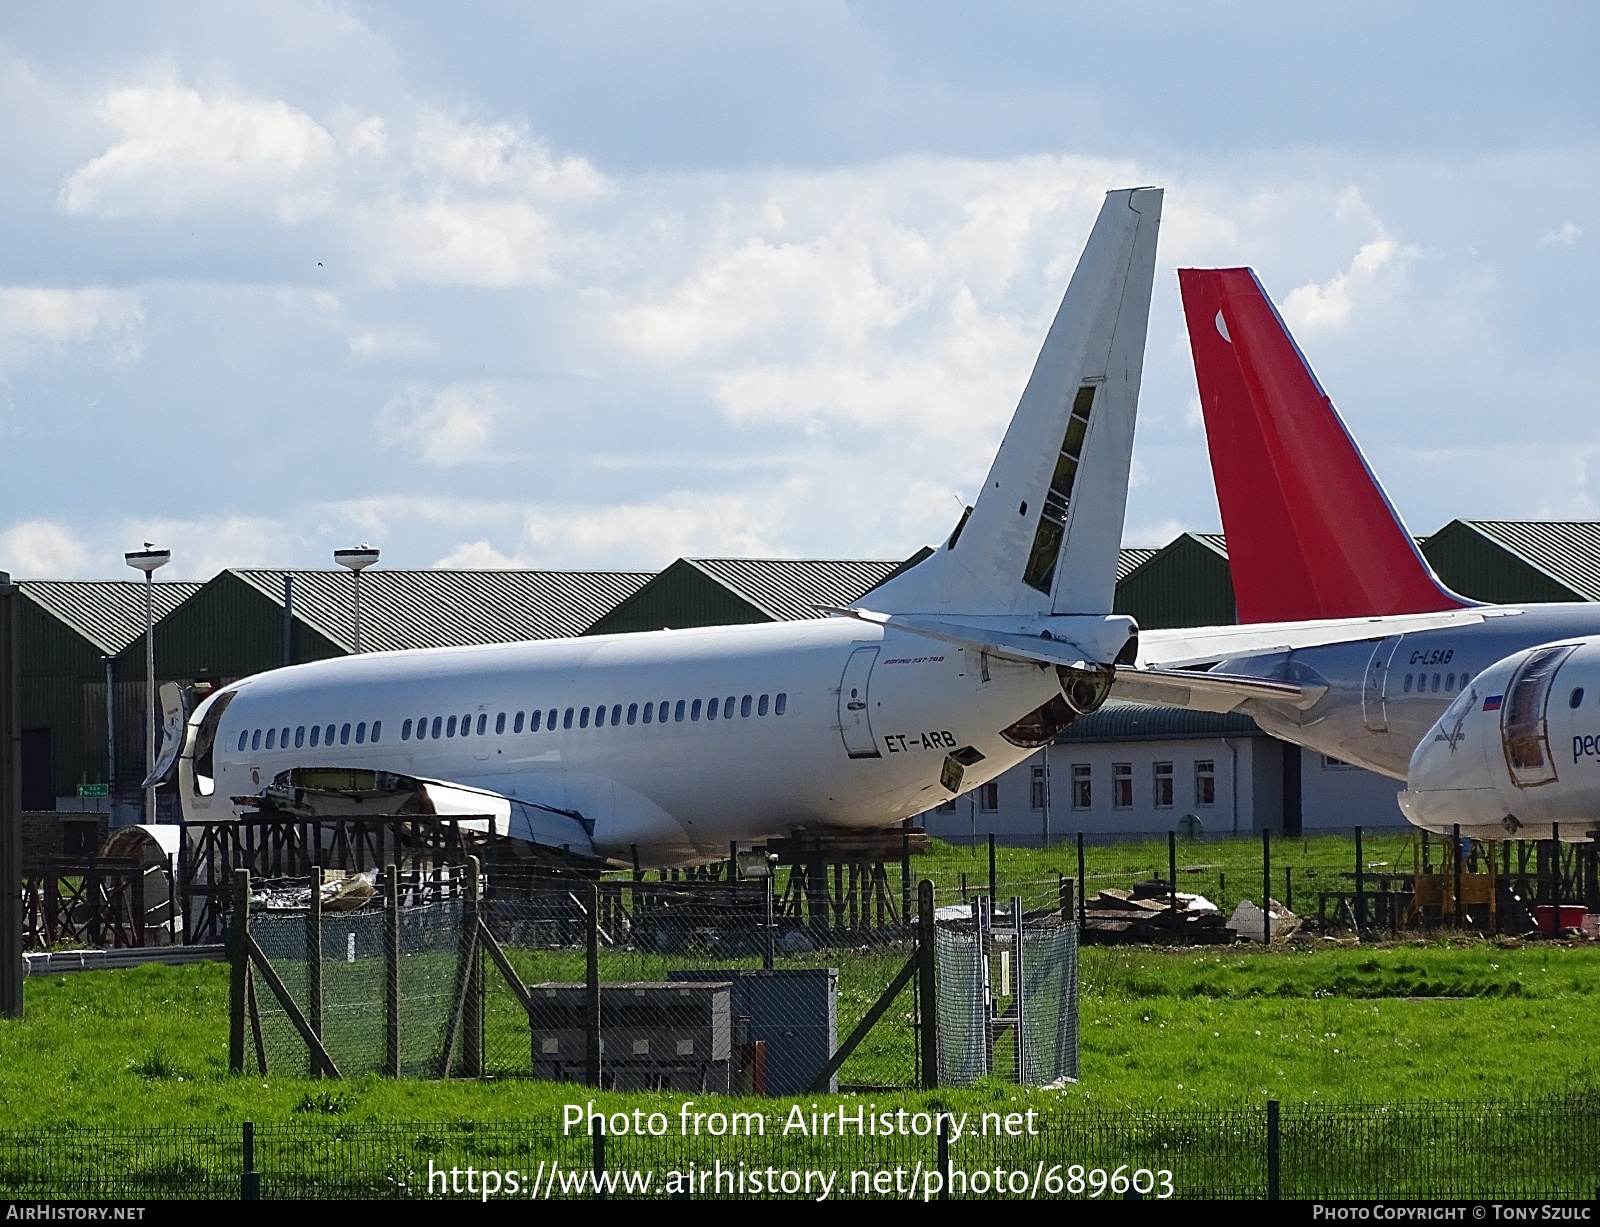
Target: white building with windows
1132,769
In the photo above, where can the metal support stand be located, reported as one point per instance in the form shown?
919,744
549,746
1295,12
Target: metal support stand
591,1013
1361,887
1266,885
993,884
1172,884
391,971
1455,868
1082,893
927,985
769,935
11,928
314,964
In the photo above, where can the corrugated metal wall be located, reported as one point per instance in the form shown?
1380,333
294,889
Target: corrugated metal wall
1474,566
1185,584
680,596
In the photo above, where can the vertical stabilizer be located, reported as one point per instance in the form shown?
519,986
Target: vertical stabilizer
1311,534
1043,535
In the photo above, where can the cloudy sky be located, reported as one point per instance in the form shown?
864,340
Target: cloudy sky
599,285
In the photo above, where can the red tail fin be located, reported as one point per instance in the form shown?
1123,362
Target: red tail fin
1311,533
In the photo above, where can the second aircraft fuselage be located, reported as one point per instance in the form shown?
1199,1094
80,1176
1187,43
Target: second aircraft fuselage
673,743
1385,694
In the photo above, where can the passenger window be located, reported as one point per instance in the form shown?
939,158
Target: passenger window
583,719
677,713
616,713
744,705
483,722
466,724
361,733
272,738
244,740
283,740
1435,686
694,712
377,727
711,709
1449,683
1408,683
550,720
438,723
327,735
782,703
761,706
450,729
500,724
649,708
566,719
316,733
344,735
727,707
516,725
1575,699
600,716
255,740
300,737
633,712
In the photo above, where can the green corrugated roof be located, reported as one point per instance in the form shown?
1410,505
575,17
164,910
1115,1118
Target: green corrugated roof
1566,550
1120,721
441,608
109,613
790,588
1133,556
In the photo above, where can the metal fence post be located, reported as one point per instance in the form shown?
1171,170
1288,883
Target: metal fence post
927,985
1266,886
1018,995
472,1011
591,1012
11,960
314,965
598,1132
1172,883
1274,1171
1455,862
239,959
993,883
391,970
769,930
943,1157
249,1178
1083,901
1361,887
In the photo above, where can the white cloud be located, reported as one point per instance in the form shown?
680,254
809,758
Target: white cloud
475,556
179,151
491,243
41,549
1326,305
453,426
501,156
1565,235
36,322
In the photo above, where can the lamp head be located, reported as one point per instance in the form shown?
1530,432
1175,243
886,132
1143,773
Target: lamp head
358,559
148,560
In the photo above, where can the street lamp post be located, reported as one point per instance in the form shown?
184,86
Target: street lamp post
149,560
357,560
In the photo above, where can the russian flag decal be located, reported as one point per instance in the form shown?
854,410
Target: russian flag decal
1492,703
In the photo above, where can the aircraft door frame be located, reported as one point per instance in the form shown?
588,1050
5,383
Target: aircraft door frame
855,718
1375,685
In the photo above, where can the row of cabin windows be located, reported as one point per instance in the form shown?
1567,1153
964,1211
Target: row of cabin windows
278,739
1420,683
666,711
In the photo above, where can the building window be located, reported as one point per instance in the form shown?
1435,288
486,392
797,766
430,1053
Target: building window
989,796
948,807
1037,788
1082,786
1163,781
1329,762
1121,785
1205,782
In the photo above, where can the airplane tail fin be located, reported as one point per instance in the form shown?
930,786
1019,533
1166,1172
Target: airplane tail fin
1311,533
1042,536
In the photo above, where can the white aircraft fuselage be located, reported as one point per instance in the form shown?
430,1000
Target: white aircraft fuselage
667,770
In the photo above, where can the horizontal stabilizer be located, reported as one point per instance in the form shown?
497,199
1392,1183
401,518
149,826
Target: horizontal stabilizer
1181,649
1217,692
1073,643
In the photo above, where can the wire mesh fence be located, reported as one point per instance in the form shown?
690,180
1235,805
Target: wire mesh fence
1547,1149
